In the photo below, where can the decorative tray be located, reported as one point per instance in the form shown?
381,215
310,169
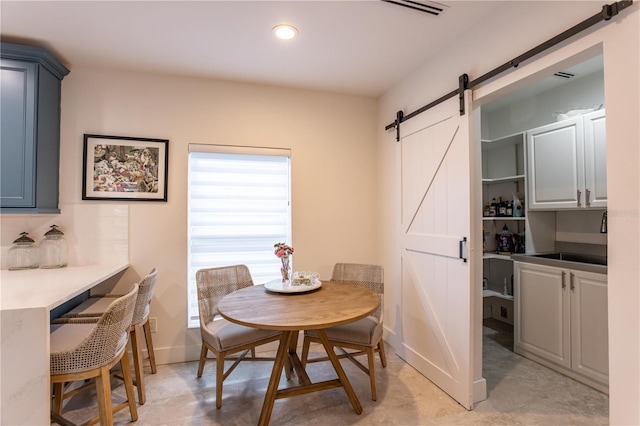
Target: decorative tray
277,286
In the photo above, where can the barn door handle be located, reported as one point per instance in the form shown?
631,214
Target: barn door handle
461,245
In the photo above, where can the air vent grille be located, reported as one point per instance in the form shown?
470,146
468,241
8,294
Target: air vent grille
429,7
564,74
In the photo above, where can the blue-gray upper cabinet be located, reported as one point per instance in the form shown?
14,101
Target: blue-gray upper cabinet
30,92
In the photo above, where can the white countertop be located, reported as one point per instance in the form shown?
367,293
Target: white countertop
49,288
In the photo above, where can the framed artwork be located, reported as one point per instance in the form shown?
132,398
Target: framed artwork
124,168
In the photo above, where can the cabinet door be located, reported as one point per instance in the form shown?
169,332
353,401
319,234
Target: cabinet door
556,165
542,325
17,140
589,319
595,159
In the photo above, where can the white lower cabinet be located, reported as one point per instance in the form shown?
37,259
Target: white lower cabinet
561,321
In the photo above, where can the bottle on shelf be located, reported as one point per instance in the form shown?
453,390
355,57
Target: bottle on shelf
493,208
518,210
502,209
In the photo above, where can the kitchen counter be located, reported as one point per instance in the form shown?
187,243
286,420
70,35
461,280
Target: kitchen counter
580,266
26,298
49,288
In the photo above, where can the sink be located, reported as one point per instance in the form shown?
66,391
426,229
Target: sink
574,257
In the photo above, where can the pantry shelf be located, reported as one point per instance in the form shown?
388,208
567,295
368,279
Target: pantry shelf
491,293
496,256
514,178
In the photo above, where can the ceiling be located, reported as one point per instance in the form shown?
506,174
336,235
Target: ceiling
359,47
588,67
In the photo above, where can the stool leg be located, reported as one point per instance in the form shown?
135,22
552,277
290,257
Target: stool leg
136,334
152,355
103,389
128,386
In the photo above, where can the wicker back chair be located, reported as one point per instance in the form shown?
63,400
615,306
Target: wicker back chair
83,349
140,328
363,336
220,336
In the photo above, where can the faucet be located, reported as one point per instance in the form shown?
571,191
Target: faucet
603,223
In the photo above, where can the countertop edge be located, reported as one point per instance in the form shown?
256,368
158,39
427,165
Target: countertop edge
578,266
49,288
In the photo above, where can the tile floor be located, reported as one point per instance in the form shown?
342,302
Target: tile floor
519,392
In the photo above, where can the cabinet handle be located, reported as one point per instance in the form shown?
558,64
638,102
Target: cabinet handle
579,194
564,285
571,285
588,197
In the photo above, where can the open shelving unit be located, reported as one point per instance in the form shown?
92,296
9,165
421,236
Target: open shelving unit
503,175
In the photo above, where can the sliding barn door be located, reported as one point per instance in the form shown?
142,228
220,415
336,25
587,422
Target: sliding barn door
436,322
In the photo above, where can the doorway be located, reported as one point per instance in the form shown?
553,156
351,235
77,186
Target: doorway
558,94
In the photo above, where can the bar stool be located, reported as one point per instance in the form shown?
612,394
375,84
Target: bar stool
93,307
81,351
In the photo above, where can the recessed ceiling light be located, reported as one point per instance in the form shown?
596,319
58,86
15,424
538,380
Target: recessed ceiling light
285,32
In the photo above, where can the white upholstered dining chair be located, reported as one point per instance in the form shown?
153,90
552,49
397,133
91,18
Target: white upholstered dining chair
220,336
362,337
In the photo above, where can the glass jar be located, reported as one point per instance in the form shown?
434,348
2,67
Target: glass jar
53,249
23,254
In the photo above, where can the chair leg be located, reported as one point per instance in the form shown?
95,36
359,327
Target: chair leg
383,356
203,357
136,334
288,367
103,389
372,372
305,351
149,340
219,378
128,386
58,391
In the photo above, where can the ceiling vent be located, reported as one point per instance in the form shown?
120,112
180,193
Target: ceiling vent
429,7
564,74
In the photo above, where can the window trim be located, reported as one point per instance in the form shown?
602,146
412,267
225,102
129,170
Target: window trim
192,321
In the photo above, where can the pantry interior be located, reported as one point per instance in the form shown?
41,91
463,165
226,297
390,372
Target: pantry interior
509,224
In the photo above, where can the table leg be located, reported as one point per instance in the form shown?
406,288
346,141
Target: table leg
340,372
276,372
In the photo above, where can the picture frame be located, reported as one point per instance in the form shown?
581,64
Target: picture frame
123,168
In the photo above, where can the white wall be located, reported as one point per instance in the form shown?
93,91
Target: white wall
517,27
332,138
536,111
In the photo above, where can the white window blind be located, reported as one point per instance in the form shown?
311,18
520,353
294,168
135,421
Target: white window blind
238,208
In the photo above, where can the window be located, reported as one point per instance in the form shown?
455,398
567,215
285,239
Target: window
238,208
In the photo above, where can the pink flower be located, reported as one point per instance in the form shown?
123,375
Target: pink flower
282,250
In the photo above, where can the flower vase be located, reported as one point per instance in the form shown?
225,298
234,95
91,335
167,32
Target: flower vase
285,270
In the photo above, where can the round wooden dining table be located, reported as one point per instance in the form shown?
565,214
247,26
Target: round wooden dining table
334,303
